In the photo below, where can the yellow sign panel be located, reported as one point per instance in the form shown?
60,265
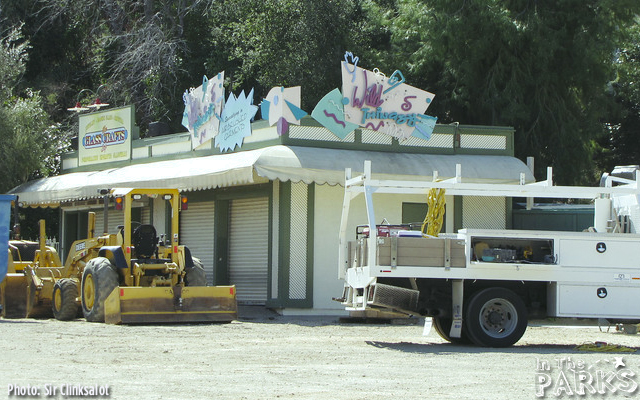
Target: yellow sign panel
105,136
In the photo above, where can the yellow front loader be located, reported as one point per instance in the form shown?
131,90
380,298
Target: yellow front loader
37,284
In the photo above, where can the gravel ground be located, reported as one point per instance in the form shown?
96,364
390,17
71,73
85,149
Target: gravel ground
266,356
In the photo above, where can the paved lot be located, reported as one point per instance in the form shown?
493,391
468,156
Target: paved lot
265,356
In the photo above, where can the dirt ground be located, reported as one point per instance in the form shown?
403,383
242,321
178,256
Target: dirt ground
267,356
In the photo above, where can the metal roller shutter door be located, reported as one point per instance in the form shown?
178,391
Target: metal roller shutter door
146,215
116,218
249,249
196,232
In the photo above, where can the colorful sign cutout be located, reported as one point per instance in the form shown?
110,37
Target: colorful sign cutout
385,104
369,99
282,107
105,136
235,122
202,109
330,113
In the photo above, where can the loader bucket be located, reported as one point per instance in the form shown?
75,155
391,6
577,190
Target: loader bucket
131,305
14,299
19,299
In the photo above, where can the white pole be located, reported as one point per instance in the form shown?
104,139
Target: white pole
602,214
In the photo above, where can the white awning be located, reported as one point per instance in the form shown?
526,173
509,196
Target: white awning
286,163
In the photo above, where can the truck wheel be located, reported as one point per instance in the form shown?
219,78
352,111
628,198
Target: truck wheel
495,317
64,305
99,278
195,275
443,327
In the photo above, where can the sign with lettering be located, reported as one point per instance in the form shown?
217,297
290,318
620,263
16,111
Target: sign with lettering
202,109
105,136
385,104
235,122
371,100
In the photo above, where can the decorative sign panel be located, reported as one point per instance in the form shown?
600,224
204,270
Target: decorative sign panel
105,136
235,122
202,109
385,104
282,107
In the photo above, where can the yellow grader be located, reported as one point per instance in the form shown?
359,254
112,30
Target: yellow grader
126,277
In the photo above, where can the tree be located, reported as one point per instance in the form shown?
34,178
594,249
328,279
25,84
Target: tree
539,66
135,50
266,43
621,144
29,143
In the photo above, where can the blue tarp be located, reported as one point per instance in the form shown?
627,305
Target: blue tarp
5,214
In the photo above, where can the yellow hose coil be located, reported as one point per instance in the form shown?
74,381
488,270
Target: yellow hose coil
435,214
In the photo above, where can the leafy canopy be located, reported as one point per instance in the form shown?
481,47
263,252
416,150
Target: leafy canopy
539,66
28,141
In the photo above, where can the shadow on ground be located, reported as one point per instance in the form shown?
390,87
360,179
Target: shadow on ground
450,348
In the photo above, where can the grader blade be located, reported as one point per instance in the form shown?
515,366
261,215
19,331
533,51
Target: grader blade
133,305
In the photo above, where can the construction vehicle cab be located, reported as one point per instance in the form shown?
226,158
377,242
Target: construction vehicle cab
144,278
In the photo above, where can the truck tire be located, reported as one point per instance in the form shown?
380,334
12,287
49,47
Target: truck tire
195,276
443,326
495,317
63,303
99,278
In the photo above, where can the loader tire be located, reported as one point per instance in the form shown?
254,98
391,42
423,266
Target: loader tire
99,278
64,302
195,275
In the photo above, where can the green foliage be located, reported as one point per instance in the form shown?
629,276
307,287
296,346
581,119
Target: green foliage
13,55
29,143
540,66
620,145
563,73
268,43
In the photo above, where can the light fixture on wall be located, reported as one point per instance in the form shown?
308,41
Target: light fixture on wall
95,105
78,108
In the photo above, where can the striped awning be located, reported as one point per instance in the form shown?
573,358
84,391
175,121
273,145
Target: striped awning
284,163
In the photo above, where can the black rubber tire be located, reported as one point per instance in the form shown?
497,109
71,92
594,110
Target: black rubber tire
102,275
63,302
495,317
443,326
195,276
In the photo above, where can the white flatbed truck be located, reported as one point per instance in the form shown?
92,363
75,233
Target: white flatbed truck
480,285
